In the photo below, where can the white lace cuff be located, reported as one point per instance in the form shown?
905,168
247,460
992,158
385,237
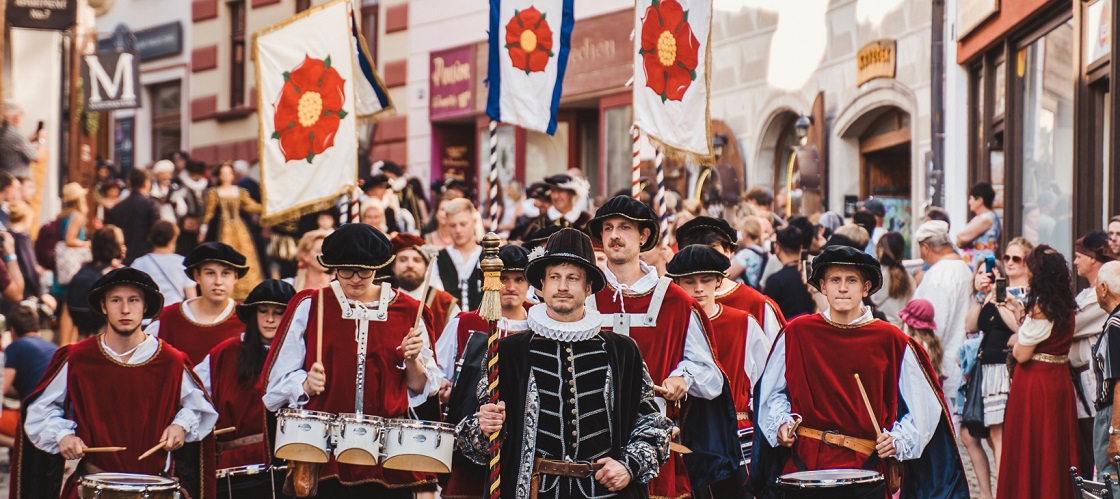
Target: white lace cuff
779,415
187,419
905,442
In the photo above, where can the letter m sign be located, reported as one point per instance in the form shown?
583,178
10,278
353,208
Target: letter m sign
110,81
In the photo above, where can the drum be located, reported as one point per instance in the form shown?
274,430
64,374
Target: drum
126,486
303,435
833,484
418,446
256,480
357,439
746,443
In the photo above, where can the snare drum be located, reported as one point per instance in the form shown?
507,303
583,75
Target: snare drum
126,486
833,484
257,480
357,439
303,435
418,446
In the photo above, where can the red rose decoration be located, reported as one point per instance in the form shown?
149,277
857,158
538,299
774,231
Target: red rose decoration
309,109
670,51
529,40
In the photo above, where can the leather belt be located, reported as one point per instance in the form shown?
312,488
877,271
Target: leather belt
559,468
1050,359
834,439
239,442
743,416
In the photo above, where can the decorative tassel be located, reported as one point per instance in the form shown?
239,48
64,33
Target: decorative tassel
491,310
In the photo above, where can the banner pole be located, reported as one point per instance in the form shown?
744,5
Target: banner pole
662,216
493,187
636,166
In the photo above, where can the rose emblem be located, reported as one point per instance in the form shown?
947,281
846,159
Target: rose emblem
669,49
529,40
309,109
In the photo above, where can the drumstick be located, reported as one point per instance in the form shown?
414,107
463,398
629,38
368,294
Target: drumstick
423,294
223,431
319,330
94,450
867,403
152,450
660,390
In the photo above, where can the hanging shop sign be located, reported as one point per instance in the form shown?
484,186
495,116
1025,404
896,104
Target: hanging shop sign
111,80
57,15
452,85
875,60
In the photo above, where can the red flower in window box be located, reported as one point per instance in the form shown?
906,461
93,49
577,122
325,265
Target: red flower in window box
529,40
670,51
309,109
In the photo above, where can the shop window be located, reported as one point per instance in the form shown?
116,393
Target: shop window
167,119
237,54
1046,147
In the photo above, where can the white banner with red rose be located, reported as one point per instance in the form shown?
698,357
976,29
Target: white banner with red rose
672,63
308,139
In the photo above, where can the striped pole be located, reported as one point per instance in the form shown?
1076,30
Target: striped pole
356,205
493,209
659,201
636,168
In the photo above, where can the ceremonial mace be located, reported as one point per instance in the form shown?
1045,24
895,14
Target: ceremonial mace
491,310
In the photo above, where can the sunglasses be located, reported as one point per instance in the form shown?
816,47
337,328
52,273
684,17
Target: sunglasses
1012,258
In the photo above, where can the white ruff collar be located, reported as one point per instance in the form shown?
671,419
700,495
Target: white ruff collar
583,329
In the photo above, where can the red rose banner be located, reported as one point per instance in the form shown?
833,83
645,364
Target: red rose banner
671,75
309,109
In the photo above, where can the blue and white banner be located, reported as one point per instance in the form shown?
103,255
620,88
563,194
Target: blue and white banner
529,41
372,95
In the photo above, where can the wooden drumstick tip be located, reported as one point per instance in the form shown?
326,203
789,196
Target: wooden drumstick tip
660,390
223,431
152,450
95,450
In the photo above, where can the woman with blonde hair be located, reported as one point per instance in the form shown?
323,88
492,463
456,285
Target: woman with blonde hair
311,275
72,222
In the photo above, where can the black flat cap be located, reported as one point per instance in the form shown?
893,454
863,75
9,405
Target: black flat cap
127,276
629,208
566,246
851,257
268,292
697,259
538,190
391,167
514,258
215,252
692,231
356,245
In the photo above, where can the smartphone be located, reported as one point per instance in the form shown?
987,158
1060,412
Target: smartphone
1001,290
990,265
1019,292
805,271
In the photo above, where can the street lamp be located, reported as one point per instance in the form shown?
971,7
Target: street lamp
801,126
719,140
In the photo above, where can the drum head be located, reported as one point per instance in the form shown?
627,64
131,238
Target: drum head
416,462
829,478
360,457
302,452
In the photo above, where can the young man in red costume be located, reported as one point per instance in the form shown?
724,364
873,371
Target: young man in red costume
409,268
718,234
674,336
231,374
741,345
197,325
809,412
119,388
354,306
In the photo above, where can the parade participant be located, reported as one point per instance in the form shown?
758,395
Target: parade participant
457,269
674,337
120,388
1106,369
811,371
461,350
230,373
409,200
566,194
615,439
739,340
718,234
409,268
295,376
197,325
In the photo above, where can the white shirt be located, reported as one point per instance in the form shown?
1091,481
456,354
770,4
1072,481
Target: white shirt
153,328
46,425
285,381
571,216
911,432
698,367
948,286
167,271
448,348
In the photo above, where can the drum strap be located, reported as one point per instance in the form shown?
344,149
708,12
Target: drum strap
240,442
858,445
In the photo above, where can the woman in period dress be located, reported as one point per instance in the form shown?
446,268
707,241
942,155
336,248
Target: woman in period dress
1040,425
228,208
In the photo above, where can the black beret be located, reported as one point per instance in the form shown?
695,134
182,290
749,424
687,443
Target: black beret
540,236
630,208
538,190
566,246
848,256
215,252
126,276
391,167
356,245
514,258
691,231
268,292
559,179
379,180
697,259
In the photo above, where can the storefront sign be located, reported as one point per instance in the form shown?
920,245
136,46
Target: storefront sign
600,59
42,14
1098,31
164,40
875,60
111,81
972,13
452,83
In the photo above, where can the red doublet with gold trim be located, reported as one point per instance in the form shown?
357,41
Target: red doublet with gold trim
439,302
238,406
194,339
729,334
747,299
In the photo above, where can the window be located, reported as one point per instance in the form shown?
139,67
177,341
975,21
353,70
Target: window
167,124
369,28
237,54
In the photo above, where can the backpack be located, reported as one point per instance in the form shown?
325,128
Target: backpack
49,235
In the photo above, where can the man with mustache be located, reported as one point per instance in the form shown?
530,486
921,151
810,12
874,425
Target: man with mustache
119,388
409,268
197,325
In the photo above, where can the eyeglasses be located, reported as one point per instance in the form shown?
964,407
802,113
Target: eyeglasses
1012,258
349,273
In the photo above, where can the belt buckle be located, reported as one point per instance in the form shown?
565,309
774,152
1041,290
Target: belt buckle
824,438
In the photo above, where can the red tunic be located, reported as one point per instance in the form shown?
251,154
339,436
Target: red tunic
439,302
238,406
386,392
194,339
662,348
1040,431
821,359
745,298
729,334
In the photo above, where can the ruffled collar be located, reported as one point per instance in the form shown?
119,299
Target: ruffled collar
583,329
194,185
571,216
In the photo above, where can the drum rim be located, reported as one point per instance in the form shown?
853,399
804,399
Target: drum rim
234,471
164,484
820,483
305,414
352,417
416,424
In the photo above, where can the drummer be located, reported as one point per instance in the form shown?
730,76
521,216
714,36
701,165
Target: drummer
400,367
120,388
812,370
231,373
